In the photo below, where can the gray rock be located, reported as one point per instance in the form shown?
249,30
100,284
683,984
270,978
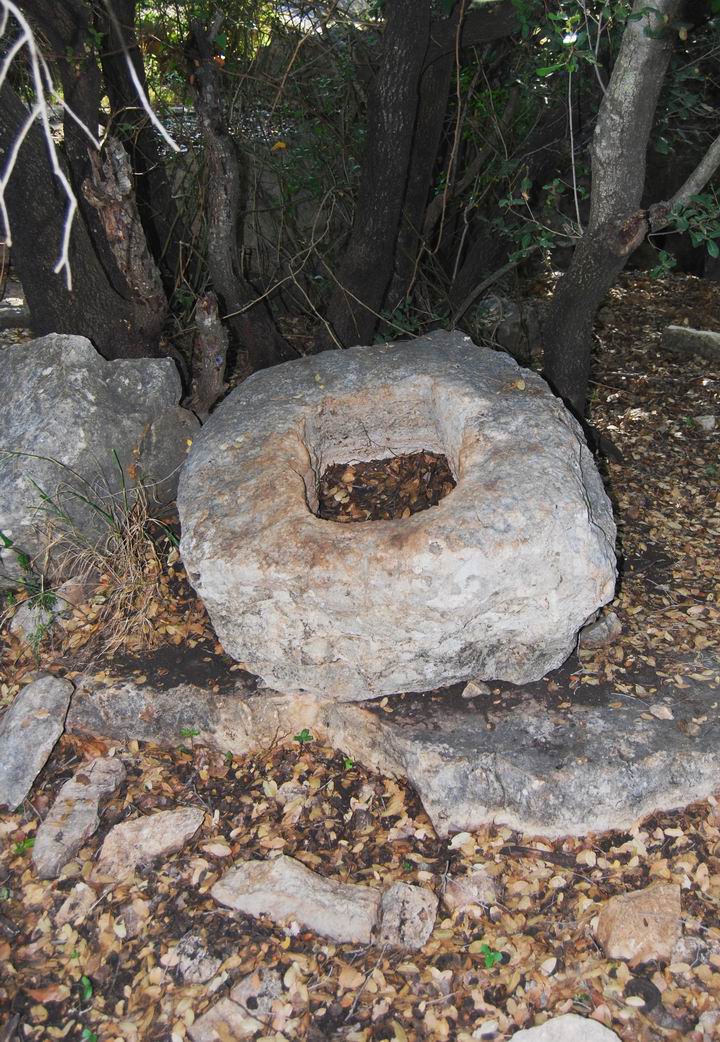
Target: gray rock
550,772
605,630
144,840
707,422
470,893
475,689
239,720
686,341
247,1009
568,1028
284,889
75,814
29,730
195,964
32,621
494,582
407,916
66,412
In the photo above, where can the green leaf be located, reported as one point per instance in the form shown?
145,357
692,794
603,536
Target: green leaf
89,1035
86,988
23,845
713,248
548,70
303,736
189,732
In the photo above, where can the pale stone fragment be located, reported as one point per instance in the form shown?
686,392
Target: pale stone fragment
75,814
641,925
475,689
470,893
568,1028
687,341
143,840
493,582
195,964
605,630
248,1009
407,916
29,730
286,890
76,905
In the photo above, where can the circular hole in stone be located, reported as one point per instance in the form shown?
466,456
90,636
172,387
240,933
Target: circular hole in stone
384,489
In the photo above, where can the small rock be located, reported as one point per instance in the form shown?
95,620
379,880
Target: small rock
641,925
604,630
31,622
706,422
246,1011
469,893
407,916
568,1028
708,1023
285,889
28,732
687,341
134,916
195,964
475,688
76,905
74,815
136,842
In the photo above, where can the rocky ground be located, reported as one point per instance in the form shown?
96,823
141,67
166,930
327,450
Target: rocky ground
135,940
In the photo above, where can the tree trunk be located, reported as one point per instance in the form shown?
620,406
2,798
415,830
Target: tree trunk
160,219
251,324
616,224
367,267
119,324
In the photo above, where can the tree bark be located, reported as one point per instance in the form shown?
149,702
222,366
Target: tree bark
160,219
119,324
251,324
367,267
616,225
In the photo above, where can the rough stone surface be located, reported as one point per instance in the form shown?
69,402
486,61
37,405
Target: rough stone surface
143,840
555,772
76,905
550,771
65,402
687,341
407,916
493,582
75,814
568,1028
240,720
642,925
707,422
28,731
605,630
247,1009
284,889
193,962
470,893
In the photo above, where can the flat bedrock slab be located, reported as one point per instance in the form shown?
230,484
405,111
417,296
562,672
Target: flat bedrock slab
75,814
66,411
29,730
553,772
493,582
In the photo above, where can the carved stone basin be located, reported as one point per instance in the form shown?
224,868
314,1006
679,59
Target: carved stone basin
492,582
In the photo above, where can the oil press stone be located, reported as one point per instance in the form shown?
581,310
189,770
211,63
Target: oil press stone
492,583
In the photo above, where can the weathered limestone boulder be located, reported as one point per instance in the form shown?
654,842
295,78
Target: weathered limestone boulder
68,417
641,925
493,582
683,340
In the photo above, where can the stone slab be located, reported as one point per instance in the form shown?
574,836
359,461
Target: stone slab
539,769
29,730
